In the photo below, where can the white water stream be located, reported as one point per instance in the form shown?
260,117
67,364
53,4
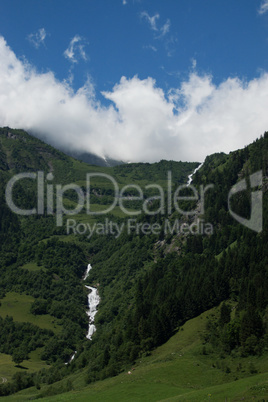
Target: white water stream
71,358
93,301
190,177
93,296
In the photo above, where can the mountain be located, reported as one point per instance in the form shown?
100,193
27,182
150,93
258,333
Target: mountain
158,262
92,159
86,157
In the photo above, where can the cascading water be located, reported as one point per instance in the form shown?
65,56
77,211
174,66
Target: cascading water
190,177
71,358
89,267
93,301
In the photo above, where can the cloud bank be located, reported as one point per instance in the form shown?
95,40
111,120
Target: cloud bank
143,123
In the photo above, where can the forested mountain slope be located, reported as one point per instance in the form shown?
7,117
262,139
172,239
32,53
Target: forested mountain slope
150,281
43,298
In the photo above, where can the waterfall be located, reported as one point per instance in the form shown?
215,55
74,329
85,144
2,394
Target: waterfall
89,267
93,301
190,177
71,358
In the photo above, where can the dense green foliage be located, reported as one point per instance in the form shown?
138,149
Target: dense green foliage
232,263
19,339
178,288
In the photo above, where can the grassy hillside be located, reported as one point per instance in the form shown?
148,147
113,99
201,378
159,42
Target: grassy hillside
18,306
177,371
8,369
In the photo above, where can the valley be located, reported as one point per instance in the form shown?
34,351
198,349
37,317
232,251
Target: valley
139,289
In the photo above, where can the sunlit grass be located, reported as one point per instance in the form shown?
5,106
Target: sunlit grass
176,371
18,306
8,368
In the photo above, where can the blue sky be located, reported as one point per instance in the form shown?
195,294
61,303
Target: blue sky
136,79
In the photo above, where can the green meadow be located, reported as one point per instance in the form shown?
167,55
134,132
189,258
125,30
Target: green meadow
32,266
8,368
179,370
18,306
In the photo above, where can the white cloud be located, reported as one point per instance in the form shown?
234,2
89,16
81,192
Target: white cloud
153,24
194,63
37,38
152,20
124,2
161,32
153,48
75,50
143,122
264,7
165,28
